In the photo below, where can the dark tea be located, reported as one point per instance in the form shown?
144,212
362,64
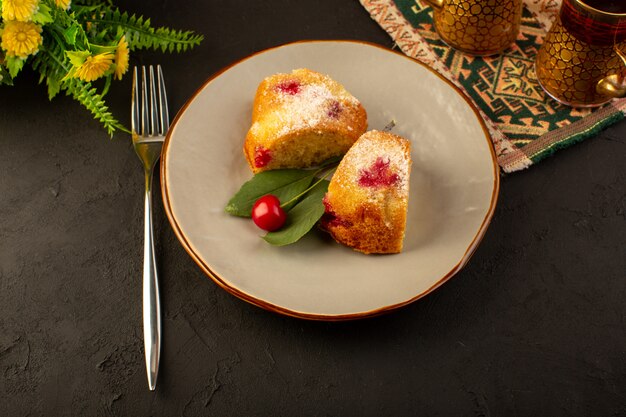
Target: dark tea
600,23
609,6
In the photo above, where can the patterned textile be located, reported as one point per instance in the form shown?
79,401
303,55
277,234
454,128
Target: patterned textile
525,124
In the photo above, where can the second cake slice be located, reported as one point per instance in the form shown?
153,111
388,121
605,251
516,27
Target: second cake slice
367,199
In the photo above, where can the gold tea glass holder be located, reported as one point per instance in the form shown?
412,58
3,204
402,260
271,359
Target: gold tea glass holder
477,27
581,62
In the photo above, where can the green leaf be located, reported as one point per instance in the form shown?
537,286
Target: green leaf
43,14
91,3
331,161
293,191
77,58
101,49
14,65
51,60
142,35
283,183
88,96
70,34
5,78
286,184
54,86
301,218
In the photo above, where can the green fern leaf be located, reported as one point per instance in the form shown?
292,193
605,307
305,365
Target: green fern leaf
141,35
89,97
92,3
50,63
54,86
5,78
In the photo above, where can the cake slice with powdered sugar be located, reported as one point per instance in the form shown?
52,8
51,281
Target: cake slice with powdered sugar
367,199
301,119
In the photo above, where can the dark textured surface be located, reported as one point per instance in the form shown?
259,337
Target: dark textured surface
535,325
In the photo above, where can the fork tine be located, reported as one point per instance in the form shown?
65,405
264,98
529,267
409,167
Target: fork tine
135,109
154,113
164,118
145,122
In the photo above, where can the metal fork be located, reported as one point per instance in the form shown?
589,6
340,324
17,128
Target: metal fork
150,121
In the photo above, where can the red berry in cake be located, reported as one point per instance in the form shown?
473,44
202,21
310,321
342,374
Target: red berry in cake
334,110
267,213
378,175
330,218
262,157
289,87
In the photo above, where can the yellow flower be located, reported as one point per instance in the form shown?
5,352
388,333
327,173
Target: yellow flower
21,39
22,10
94,67
63,4
121,58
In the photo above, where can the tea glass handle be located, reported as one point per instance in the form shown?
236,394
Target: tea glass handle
613,85
435,3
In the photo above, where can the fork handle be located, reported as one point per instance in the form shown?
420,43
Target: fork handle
151,303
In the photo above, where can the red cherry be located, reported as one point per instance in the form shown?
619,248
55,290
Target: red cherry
267,213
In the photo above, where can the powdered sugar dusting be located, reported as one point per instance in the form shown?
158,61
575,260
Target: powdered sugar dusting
304,100
255,128
306,109
308,99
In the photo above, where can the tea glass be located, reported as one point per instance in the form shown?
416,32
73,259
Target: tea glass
581,62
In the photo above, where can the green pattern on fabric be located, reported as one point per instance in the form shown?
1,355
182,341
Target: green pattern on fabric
578,136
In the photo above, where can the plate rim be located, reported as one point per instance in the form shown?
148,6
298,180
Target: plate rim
314,316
